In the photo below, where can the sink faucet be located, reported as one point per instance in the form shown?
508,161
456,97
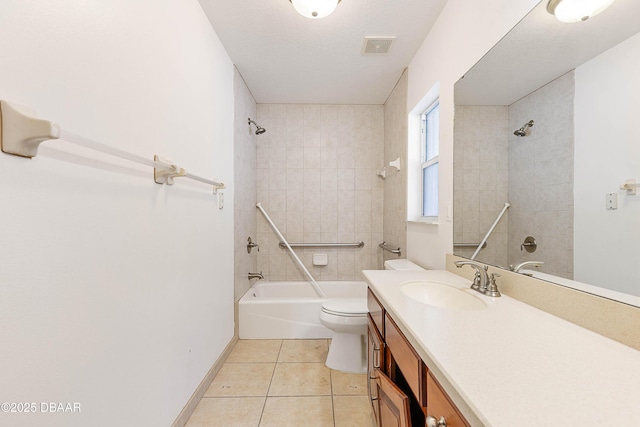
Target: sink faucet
256,276
481,278
520,266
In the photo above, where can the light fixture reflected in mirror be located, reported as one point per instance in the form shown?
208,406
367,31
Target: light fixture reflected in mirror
576,10
315,9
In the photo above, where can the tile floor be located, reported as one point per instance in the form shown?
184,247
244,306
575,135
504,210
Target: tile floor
283,383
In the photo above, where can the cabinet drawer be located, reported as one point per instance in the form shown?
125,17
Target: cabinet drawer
439,405
408,361
375,311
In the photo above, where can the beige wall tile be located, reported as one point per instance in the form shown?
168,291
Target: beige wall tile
327,151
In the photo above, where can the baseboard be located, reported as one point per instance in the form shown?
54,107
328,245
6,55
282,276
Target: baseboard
188,409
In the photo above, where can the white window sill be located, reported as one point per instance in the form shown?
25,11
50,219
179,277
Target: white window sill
423,221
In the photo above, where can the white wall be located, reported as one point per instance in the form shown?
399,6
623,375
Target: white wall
117,293
463,33
607,152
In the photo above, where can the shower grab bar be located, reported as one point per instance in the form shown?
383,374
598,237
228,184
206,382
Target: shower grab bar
484,240
469,245
385,247
359,244
23,133
291,251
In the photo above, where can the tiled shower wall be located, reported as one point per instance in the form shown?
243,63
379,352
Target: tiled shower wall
481,167
244,172
533,173
316,177
541,176
395,185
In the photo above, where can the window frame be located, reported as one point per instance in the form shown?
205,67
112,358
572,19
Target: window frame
426,163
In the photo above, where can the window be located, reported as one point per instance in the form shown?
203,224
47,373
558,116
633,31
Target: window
430,124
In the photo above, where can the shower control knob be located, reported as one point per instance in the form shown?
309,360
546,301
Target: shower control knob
251,245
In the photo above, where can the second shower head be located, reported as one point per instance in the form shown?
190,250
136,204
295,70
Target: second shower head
523,130
259,129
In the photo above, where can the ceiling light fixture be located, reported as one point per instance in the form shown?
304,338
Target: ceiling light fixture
315,9
576,10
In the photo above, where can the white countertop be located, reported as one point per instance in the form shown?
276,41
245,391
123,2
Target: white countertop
513,365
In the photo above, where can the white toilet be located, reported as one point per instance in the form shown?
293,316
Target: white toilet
347,318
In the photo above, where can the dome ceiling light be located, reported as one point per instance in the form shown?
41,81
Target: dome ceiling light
576,10
315,9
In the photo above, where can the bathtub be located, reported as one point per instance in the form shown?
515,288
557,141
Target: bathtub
286,310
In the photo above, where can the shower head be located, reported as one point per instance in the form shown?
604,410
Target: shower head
259,129
523,130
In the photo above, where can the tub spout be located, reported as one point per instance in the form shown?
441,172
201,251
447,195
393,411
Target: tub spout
256,276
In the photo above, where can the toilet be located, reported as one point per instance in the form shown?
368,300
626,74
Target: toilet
347,318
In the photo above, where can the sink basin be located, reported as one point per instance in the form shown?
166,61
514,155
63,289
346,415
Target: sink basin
442,295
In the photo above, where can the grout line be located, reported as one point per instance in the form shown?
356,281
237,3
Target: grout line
333,409
270,382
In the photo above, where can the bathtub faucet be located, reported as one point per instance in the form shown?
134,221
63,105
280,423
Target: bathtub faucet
256,276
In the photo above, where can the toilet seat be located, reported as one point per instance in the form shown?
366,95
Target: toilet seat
346,307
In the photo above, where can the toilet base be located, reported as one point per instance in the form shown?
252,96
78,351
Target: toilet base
348,353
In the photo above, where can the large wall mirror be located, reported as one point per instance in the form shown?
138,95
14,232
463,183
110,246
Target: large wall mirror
547,129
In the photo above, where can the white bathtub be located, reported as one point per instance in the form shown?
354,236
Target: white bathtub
286,310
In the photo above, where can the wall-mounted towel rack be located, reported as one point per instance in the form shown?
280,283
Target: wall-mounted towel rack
385,247
21,133
469,245
359,244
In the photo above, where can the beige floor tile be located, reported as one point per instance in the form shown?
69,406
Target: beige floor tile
227,412
299,351
243,379
307,411
343,384
255,351
300,379
352,411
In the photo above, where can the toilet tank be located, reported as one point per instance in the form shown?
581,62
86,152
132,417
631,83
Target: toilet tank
401,264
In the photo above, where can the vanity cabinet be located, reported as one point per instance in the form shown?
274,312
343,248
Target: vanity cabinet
401,389
441,406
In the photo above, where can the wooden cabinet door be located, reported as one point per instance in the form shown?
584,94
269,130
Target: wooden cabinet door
439,405
406,358
375,310
392,404
375,361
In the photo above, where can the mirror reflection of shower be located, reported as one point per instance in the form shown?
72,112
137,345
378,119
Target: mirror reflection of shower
523,130
259,129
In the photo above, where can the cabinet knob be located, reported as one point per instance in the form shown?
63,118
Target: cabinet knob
433,422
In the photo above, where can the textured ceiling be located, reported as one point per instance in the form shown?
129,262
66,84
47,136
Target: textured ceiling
286,58
540,49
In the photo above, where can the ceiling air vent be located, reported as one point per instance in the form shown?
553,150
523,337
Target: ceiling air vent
376,45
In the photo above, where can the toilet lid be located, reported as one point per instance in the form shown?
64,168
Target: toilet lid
346,306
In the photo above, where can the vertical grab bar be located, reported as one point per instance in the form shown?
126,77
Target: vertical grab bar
293,254
504,209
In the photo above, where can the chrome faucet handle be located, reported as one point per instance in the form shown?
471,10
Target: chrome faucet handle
480,280
492,286
477,280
